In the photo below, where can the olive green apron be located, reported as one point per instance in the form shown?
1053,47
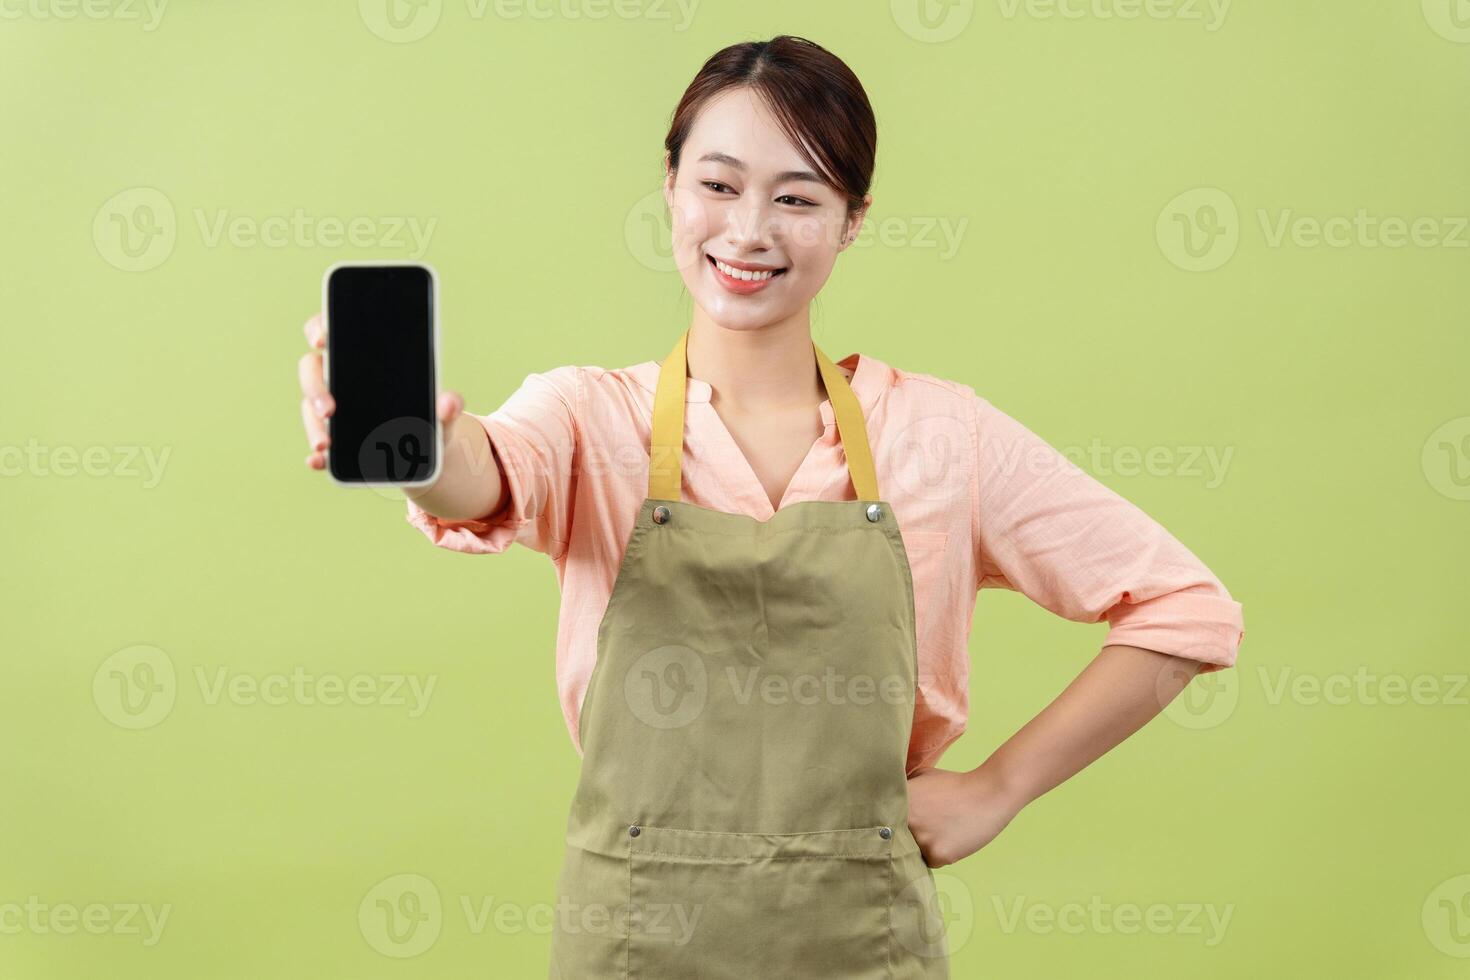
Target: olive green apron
742,810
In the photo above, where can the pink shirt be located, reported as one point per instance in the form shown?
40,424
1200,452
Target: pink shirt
980,501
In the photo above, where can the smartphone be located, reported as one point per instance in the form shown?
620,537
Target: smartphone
381,366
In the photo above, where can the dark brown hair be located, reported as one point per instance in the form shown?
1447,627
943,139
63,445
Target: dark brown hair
817,100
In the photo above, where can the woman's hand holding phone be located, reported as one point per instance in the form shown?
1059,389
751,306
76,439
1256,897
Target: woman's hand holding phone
470,483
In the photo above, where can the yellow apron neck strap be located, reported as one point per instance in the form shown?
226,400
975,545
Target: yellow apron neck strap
666,448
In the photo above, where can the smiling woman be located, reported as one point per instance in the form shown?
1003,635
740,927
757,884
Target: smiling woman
768,159
794,518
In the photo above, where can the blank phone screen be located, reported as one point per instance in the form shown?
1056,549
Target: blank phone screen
380,369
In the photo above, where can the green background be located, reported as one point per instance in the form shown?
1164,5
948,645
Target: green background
1330,829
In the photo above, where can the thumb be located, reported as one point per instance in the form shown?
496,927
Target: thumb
450,405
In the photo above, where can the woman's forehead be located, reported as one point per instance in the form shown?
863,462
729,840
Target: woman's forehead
738,130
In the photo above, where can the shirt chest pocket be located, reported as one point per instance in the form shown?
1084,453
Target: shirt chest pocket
928,563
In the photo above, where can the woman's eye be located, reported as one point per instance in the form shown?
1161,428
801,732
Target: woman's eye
718,187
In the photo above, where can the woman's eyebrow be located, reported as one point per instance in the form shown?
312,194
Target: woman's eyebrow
782,177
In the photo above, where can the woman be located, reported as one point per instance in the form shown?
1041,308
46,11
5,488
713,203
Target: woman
768,585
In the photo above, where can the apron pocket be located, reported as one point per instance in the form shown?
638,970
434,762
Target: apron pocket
735,905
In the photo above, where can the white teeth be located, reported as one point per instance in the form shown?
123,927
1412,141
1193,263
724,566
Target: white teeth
744,274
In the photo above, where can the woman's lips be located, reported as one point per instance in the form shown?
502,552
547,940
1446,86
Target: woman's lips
743,287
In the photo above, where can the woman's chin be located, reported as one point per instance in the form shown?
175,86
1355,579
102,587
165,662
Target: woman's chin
741,313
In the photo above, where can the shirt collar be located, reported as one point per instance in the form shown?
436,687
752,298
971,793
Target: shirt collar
868,378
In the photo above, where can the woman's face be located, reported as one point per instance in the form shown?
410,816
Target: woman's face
744,196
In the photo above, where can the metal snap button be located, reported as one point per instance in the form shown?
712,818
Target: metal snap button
634,830
885,832
875,513
660,516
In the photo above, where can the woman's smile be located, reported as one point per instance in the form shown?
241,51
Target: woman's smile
743,277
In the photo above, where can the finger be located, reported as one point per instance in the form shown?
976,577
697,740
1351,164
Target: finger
450,405
316,461
316,331
316,429
313,388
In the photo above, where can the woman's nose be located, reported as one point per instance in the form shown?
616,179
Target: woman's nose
748,224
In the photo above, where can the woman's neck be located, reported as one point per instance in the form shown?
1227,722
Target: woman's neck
753,371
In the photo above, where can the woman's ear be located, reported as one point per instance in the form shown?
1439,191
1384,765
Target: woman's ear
669,176
855,222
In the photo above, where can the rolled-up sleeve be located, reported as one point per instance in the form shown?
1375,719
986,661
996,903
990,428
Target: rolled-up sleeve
534,437
1049,530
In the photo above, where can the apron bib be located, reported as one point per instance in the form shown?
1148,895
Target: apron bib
742,807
